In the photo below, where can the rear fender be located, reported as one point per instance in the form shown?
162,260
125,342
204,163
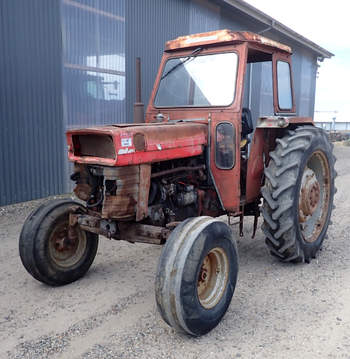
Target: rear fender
282,121
263,142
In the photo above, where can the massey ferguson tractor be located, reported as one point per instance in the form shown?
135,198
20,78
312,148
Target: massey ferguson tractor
197,156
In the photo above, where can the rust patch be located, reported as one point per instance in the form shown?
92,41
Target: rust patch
220,37
123,203
93,145
82,191
139,141
310,194
314,193
81,176
145,181
143,233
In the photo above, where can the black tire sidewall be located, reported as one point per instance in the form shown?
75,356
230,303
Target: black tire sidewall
26,244
318,144
167,249
46,266
198,319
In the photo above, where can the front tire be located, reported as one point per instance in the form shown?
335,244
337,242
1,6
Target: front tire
51,251
298,194
196,275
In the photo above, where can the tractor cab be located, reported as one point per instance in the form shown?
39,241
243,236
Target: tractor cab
207,78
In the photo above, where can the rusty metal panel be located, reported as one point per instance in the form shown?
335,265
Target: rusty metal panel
143,233
222,37
123,203
96,145
145,182
162,142
31,131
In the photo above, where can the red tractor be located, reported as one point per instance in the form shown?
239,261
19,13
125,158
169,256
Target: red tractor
198,156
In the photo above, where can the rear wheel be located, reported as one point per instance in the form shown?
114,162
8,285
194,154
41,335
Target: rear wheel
52,251
298,194
197,275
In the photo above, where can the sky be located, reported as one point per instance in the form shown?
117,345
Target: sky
327,24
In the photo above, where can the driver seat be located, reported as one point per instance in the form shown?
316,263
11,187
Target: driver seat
247,126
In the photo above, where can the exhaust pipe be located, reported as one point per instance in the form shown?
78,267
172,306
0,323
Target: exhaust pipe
138,105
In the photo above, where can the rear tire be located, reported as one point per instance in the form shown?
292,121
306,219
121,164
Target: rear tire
196,275
45,249
298,194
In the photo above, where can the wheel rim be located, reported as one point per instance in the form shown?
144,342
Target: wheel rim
314,196
67,245
212,278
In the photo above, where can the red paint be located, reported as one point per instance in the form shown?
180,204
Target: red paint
163,142
227,180
255,166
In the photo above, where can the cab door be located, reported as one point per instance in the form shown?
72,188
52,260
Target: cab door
225,132
225,135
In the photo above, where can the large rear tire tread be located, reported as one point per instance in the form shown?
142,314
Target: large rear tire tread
280,193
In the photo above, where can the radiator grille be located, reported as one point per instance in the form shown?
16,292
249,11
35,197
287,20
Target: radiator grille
94,146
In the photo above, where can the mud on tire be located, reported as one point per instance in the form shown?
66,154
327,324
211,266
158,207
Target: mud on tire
298,194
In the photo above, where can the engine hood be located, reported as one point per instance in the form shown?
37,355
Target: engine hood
128,144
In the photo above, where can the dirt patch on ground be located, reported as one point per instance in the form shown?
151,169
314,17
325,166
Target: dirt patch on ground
278,310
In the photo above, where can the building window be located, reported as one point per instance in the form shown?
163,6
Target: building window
93,61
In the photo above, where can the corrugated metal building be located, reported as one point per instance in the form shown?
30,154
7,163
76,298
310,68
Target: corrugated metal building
71,63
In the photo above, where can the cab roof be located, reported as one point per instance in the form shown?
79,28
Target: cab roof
223,37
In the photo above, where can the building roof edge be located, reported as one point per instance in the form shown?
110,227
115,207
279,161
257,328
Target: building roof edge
278,26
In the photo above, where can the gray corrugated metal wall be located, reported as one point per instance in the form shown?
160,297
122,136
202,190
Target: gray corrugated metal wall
89,78
31,131
204,16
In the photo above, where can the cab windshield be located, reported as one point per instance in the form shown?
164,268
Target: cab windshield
198,81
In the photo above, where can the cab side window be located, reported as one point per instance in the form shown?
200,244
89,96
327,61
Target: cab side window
284,87
225,140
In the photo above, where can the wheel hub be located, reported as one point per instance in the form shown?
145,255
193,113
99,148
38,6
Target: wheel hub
204,274
314,196
66,245
212,278
65,240
309,194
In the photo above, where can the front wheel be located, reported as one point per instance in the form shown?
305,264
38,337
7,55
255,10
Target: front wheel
298,194
52,251
197,274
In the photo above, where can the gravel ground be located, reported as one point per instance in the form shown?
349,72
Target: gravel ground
278,310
